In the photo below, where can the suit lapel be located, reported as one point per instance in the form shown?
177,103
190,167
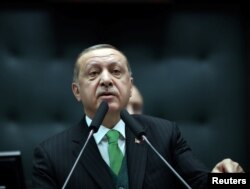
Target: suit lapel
91,158
136,160
92,161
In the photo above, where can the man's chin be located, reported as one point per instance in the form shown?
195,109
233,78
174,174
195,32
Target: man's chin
113,107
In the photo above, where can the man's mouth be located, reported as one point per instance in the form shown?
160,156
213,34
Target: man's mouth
106,94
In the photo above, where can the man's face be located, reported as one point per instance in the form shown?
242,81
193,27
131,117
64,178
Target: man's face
103,76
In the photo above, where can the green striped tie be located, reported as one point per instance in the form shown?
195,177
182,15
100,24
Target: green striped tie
115,154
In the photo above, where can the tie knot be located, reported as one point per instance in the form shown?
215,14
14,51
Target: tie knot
112,136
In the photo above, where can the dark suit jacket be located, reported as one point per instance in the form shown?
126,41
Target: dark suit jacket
54,158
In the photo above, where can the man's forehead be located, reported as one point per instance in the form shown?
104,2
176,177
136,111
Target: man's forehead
102,54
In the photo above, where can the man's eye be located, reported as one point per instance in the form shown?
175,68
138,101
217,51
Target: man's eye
116,72
93,73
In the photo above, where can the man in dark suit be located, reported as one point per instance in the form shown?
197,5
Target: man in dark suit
102,73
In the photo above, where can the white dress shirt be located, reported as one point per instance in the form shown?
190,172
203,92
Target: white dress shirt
102,141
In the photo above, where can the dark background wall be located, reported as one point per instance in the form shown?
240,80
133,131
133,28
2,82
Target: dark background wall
189,61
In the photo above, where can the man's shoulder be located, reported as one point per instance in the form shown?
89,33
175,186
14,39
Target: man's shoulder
65,135
152,119
155,123
164,129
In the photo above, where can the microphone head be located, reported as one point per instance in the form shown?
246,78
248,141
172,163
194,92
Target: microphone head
99,116
132,124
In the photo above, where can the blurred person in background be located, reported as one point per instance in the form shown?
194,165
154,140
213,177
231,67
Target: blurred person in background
135,103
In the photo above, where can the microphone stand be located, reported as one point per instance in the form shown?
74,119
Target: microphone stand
77,159
141,135
94,126
166,163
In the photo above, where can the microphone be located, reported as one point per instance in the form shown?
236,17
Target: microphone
94,126
141,135
99,116
132,124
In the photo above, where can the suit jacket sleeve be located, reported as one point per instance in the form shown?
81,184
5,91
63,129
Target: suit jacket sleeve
43,176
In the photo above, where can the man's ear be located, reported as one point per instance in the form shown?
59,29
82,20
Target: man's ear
76,91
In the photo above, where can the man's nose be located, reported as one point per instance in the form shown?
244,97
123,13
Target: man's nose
106,79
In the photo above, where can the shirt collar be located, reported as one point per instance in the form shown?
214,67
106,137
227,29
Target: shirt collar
98,136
